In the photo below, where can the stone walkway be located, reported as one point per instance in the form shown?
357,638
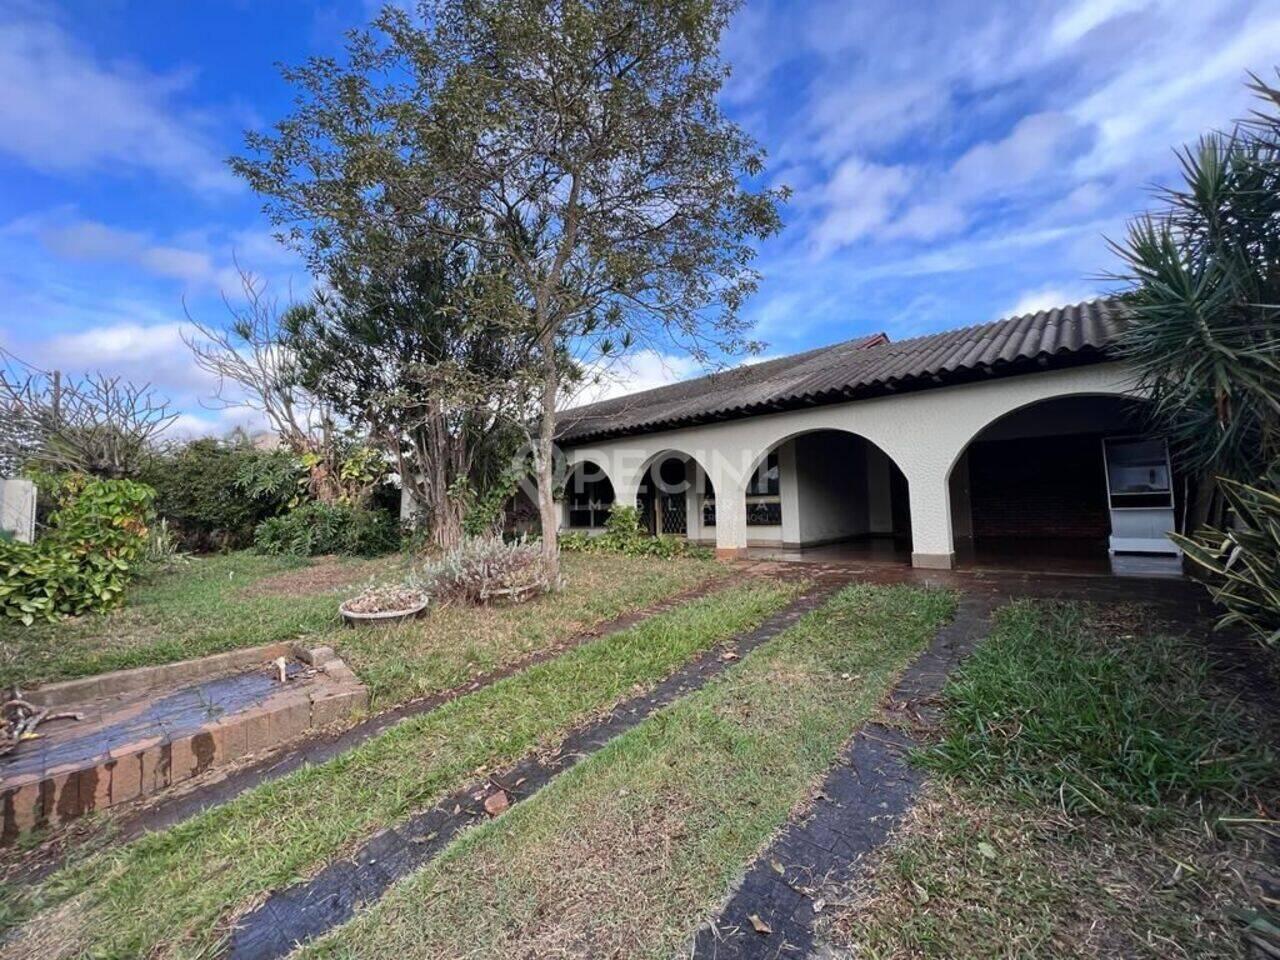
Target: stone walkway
302,912
859,803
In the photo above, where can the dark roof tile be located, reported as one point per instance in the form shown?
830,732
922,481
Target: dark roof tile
864,367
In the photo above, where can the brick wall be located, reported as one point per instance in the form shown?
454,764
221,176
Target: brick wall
1051,487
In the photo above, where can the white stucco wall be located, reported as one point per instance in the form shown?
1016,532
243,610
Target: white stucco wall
923,432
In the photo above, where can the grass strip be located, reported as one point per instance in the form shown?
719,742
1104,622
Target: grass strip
165,894
1099,797
1082,707
624,854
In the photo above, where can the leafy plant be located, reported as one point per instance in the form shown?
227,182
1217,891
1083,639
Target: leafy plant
623,534
481,569
318,528
198,490
273,478
1243,558
98,536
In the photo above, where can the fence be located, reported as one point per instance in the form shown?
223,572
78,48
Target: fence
18,508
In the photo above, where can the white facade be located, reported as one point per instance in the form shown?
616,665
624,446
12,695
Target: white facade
925,433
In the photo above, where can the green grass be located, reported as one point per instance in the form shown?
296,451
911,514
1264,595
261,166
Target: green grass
219,603
625,853
169,893
1098,796
193,610
1055,707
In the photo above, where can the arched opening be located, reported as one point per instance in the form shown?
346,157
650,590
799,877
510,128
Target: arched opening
588,497
1069,484
829,494
677,498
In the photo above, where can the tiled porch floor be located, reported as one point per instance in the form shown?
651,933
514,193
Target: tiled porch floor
1012,556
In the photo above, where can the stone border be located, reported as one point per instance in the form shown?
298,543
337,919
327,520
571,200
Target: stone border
859,802
144,767
309,909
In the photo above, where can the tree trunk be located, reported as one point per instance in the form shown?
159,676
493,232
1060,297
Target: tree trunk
547,512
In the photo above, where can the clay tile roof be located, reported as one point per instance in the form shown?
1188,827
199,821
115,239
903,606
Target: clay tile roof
856,369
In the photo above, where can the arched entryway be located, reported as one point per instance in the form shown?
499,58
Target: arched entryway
677,498
588,497
1071,484
829,493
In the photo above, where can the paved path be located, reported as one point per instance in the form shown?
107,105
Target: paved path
307,910
862,798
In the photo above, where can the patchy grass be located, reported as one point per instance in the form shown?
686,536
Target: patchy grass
170,894
622,855
455,643
198,608
1098,797
220,603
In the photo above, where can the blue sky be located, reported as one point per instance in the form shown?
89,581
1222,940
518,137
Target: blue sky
952,162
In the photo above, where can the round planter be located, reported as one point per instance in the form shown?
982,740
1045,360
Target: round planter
382,617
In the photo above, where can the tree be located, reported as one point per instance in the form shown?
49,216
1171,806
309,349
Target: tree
407,353
257,370
100,425
1205,300
576,145
1204,336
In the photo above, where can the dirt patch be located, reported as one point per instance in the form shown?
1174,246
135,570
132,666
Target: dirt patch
323,575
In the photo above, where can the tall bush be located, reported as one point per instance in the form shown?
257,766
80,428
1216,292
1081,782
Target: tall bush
315,528
97,538
201,490
1204,337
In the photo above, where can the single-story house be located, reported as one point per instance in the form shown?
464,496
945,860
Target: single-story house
1022,436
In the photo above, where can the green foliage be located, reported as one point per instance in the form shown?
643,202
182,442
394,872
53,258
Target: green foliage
1205,336
623,534
1060,709
1243,558
201,490
273,478
98,535
317,528
483,512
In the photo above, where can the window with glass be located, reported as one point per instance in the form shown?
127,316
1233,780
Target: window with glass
764,505
590,502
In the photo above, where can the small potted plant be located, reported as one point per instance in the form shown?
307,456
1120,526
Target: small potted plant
383,605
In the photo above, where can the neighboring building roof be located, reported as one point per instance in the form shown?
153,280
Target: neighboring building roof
857,369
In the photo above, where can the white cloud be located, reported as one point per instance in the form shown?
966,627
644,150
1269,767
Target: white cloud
62,110
641,370
1046,298
859,200
88,240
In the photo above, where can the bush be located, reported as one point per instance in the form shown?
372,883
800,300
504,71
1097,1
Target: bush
98,535
481,569
623,534
1245,558
319,528
198,489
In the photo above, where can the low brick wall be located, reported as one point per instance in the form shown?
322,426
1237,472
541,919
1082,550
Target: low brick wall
34,796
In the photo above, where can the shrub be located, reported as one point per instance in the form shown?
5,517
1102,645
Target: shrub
1245,558
98,536
198,490
481,569
623,534
318,528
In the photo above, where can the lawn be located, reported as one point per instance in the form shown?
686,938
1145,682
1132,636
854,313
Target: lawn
169,893
218,603
1095,795
624,855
